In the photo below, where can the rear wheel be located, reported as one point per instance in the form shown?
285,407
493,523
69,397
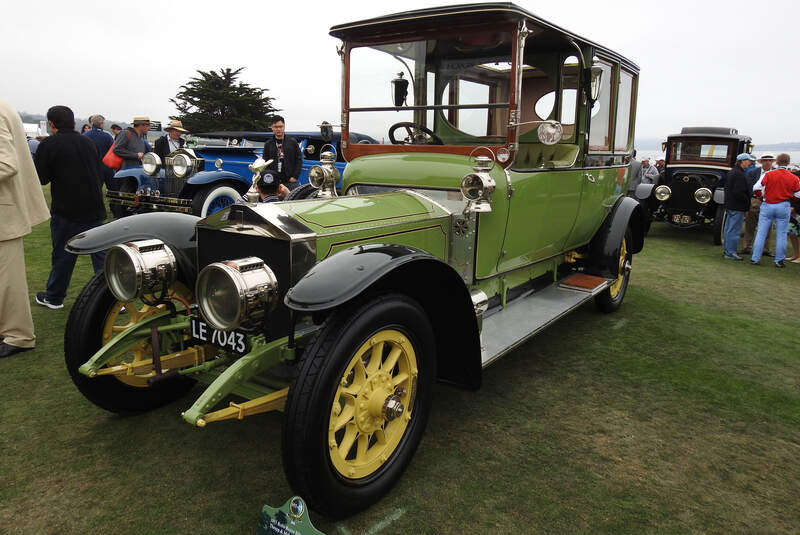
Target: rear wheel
94,320
358,407
610,299
213,199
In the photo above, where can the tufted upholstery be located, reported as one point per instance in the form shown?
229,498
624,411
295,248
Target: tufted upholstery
539,155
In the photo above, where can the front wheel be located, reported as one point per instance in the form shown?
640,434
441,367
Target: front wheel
213,199
127,186
358,407
611,298
94,320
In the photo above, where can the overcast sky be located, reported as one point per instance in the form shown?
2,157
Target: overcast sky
703,62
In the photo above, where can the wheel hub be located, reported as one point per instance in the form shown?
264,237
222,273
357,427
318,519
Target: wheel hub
376,403
392,408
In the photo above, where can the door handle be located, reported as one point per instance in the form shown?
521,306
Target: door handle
589,177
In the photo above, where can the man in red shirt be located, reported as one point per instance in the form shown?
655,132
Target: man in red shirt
779,186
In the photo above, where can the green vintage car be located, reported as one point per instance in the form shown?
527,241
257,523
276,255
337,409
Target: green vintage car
498,207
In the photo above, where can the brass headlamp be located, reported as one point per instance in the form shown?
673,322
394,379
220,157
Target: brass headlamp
140,267
236,292
477,187
325,177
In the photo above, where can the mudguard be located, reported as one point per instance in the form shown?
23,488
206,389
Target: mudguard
605,244
343,276
207,177
176,230
135,172
643,191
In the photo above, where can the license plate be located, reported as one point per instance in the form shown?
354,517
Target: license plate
234,341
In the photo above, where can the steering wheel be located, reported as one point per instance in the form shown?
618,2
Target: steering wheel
415,135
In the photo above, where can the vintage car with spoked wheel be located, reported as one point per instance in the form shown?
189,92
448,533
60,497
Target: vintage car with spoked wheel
209,176
498,208
691,192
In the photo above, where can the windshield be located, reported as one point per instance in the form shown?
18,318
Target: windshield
457,89
700,151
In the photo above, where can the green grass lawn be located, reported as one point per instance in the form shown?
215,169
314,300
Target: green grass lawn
678,413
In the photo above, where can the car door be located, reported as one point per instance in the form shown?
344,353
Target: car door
543,209
606,169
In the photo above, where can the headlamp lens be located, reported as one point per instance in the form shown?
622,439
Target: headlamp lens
121,274
151,163
181,164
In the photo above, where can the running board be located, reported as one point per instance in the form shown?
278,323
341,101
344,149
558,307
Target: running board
508,328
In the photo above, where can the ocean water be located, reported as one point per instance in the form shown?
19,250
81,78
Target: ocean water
657,154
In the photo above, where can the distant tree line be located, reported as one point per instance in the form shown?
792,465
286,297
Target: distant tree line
79,122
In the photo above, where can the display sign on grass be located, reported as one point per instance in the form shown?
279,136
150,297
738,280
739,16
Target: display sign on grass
290,519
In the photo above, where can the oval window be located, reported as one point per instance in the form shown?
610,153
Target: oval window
544,106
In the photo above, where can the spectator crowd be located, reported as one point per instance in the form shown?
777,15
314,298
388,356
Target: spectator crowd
758,197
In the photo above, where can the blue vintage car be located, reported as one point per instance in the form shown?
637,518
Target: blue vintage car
212,175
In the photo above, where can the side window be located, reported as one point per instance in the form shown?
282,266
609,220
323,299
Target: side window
625,103
600,125
538,97
569,95
545,106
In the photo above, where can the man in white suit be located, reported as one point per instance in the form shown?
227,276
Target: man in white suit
22,206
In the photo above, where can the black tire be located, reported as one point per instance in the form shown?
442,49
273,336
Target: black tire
719,225
83,337
213,198
610,299
127,186
308,459
647,217
302,192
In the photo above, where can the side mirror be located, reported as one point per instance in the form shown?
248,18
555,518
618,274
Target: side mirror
399,90
326,131
663,146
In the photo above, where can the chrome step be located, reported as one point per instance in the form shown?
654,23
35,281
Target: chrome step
508,328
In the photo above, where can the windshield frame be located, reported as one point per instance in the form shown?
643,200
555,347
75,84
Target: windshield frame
506,139
732,145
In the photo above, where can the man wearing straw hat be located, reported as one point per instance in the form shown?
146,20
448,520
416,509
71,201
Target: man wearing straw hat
130,144
171,141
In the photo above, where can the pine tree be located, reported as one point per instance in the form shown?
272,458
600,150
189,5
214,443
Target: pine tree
216,101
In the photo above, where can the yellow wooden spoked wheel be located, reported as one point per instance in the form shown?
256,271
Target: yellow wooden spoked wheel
372,406
123,315
623,270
